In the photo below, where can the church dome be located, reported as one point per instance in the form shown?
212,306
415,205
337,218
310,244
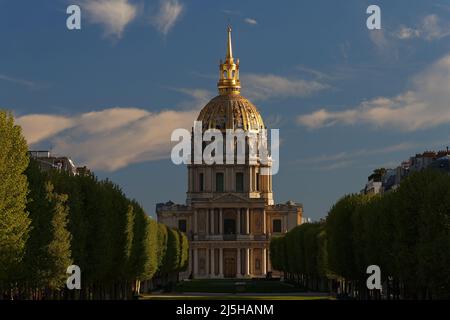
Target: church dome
230,111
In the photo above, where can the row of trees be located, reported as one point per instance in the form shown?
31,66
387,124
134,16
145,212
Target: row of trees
302,255
405,232
50,220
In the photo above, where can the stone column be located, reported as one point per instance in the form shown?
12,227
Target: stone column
269,262
207,264
220,221
264,269
195,222
238,222
207,222
213,258
247,262
221,263
264,222
238,263
195,262
247,221
190,262
212,220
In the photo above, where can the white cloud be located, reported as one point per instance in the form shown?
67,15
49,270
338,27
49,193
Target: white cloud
168,13
108,139
113,15
251,21
430,28
38,127
407,33
266,86
113,138
425,105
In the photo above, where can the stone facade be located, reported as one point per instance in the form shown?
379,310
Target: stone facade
230,215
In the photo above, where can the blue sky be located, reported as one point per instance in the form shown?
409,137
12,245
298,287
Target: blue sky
346,99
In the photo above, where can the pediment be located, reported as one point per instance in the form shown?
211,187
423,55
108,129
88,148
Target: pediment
229,197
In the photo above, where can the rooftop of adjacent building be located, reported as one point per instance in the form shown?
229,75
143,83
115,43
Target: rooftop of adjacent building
49,160
390,178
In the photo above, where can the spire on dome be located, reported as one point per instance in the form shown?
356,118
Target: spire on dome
229,46
229,82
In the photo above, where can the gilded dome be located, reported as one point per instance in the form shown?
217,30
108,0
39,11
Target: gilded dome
230,111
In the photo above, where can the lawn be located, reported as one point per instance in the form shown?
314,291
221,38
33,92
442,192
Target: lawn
228,286
225,289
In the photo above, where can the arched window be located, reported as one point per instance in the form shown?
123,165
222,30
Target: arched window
225,74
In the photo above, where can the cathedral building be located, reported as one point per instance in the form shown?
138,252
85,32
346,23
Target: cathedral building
230,215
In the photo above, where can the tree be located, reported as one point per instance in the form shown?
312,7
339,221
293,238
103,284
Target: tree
48,251
14,220
184,252
162,245
171,262
59,247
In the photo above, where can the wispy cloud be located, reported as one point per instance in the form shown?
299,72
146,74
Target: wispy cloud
113,15
231,12
385,47
430,28
344,48
345,159
247,20
318,75
22,82
425,105
200,96
267,86
168,14
364,152
111,138
251,21
273,121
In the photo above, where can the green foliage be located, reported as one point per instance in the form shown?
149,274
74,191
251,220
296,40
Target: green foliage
405,232
162,245
74,220
184,252
144,252
48,251
341,236
14,220
172,258
59,254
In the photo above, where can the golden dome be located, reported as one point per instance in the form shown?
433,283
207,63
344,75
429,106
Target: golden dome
230,111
